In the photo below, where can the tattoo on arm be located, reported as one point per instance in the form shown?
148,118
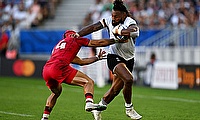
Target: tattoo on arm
91,28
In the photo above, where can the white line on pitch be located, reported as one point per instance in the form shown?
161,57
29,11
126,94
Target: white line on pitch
150,97
168,98
10,113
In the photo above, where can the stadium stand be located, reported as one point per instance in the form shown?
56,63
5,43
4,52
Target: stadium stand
68,15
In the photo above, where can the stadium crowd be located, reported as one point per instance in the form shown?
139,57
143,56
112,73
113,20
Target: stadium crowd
26,14
152,14
16,15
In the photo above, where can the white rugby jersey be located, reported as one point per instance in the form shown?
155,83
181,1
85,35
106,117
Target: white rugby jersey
124,50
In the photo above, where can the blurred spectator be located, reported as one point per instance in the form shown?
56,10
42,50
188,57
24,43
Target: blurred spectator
52,7
8,11
48,7
26,13
87,20
2,5
28,18
106,12
150,69
1,17
28,3
3,40
13,43
108,4
44,8
29,21
20,16
158,14
36,9
95,10
10,8
23,14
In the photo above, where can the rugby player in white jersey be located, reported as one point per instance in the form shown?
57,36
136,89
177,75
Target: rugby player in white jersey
120,58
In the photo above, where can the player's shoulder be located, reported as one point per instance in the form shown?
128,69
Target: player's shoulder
130,20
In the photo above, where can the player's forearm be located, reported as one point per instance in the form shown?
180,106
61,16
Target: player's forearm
87,61
89,29
132,32
101,42
106,42
125,32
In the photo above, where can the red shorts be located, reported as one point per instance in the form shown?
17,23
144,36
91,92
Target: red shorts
55,74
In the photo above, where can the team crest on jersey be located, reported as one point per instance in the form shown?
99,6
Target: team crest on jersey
117,59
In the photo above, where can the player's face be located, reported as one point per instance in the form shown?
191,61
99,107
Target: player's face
117,17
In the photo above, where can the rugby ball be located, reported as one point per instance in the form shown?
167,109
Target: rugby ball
121,36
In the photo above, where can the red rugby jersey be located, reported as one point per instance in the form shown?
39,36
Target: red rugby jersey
67,49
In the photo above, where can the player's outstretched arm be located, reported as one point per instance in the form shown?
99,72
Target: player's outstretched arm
86,61
89,29
104,42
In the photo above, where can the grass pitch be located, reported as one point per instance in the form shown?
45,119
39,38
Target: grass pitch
24,99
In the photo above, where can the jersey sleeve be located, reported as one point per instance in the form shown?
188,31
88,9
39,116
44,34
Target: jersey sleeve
104,21
130,21
83,41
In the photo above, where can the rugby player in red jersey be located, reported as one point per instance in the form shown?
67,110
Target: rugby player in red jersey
58,70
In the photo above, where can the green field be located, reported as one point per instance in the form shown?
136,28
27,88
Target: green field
24,99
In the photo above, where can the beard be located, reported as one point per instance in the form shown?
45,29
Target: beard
117,23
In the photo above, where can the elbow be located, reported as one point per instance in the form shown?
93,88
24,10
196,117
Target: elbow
83,63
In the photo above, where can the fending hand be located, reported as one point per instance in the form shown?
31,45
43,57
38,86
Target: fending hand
76,35
101,54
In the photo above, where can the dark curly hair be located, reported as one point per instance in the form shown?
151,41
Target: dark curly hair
119,6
